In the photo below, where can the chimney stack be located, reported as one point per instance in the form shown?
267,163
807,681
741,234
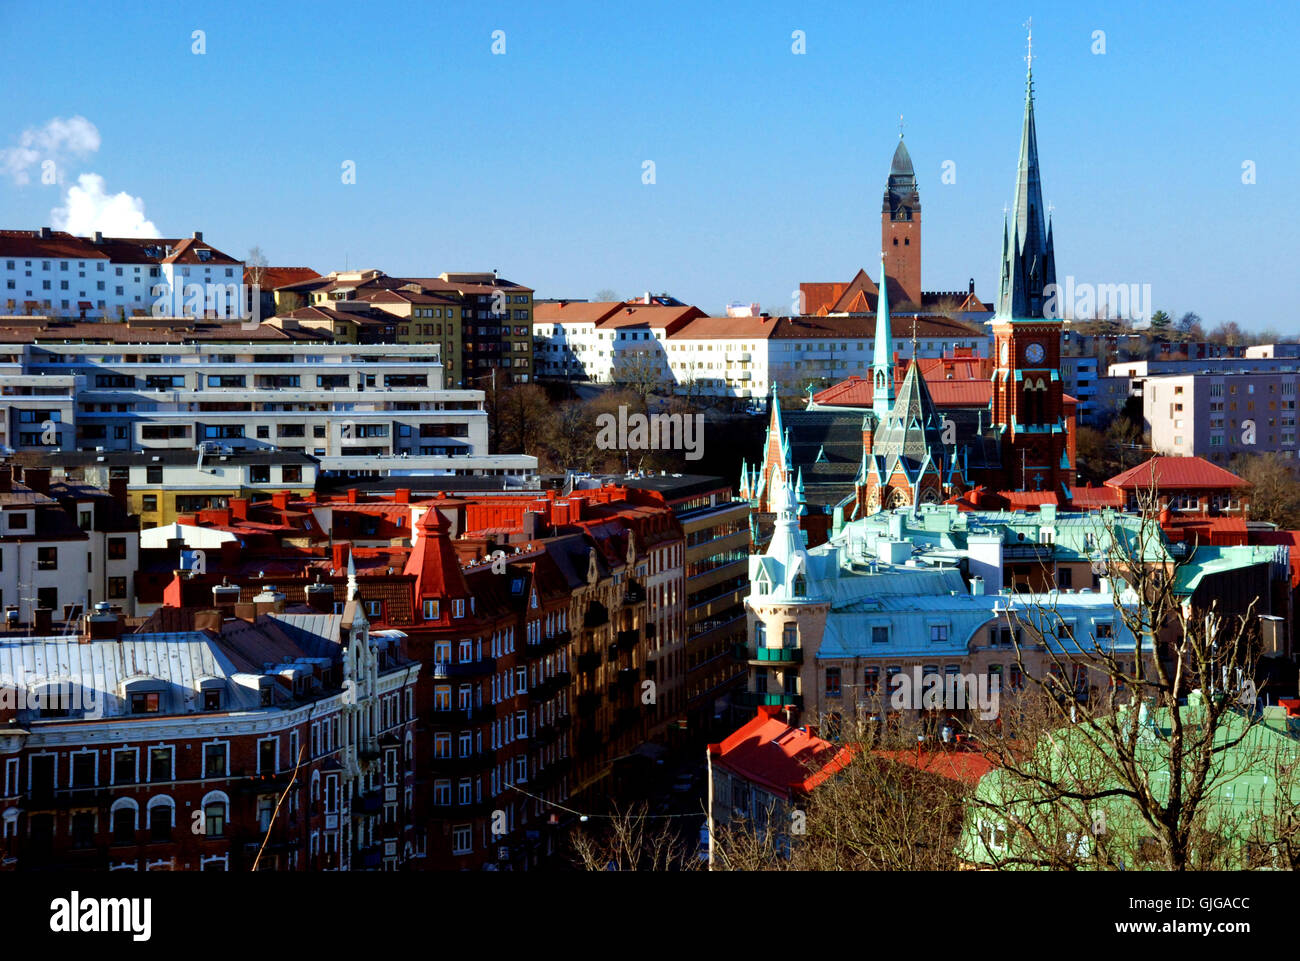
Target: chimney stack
198,235
339,555
270,601
280,500
102,625
320,597
99,237
402,495
239,508
224,598
38,479
45,233
6,478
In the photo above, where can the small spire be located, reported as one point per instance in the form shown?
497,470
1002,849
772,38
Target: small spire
353,590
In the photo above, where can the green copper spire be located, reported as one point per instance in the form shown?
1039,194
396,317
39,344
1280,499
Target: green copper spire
882,364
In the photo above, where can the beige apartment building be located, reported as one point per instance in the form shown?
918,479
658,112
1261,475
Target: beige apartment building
1221,415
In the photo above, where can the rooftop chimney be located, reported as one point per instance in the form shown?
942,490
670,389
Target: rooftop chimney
103,625
270,601
224,598
280,500
352,495
99,237
198,235
6,478
37,478
977,586
239,508
320,597
45,233
402,495
339,555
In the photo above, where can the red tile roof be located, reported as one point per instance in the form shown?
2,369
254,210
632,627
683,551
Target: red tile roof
768,752
1096,498
965,766
1176,473
857,392
273,277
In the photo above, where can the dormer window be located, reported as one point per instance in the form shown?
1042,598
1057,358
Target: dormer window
145,702
431,609
800,585
212,700
458,607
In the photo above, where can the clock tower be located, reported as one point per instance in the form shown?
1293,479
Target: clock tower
1027,404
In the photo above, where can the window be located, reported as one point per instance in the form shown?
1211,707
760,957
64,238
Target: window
124,767
442,793
124,825
462,839
160,764
117,548
160,822
47,558
214,760
938,633
117,588
832,682
214,819
871,680
83,769
149,502
880,634
146,702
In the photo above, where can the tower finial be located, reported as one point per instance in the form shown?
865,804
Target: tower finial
914,354
900,126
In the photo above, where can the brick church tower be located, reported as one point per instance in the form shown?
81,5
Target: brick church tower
900,229
1027,391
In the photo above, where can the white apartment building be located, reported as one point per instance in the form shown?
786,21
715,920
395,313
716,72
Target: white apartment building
62,545
55,273
738,357
150,386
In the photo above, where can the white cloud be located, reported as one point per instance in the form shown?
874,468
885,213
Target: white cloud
88,208
58,140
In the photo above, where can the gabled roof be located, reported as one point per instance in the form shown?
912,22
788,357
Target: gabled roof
785,760
1176,473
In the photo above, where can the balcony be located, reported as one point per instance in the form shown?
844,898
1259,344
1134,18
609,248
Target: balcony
634,593
443,670
754,699
464,765
587,703
588,662
769,655
628,640
596,616
449,717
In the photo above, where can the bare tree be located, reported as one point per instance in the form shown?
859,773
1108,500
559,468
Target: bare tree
631,840
1143,729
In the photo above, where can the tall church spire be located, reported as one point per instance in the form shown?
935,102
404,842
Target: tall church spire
1028,262
882,364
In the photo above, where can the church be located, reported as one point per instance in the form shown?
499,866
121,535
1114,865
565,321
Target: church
1007,440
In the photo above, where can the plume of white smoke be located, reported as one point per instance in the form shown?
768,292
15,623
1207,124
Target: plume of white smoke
88,208
57,140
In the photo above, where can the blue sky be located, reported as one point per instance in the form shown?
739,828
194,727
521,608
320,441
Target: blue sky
770,166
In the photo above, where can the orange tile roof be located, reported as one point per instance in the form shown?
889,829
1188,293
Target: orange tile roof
768,752
965,766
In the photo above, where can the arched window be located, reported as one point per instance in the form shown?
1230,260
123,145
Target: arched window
216,812
800,585
124,818
161,811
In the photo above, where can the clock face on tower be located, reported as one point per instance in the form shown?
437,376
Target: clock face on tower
1005,353
1034,353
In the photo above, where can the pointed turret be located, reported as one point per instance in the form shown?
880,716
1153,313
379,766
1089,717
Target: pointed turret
882,362
1028,264
800,495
